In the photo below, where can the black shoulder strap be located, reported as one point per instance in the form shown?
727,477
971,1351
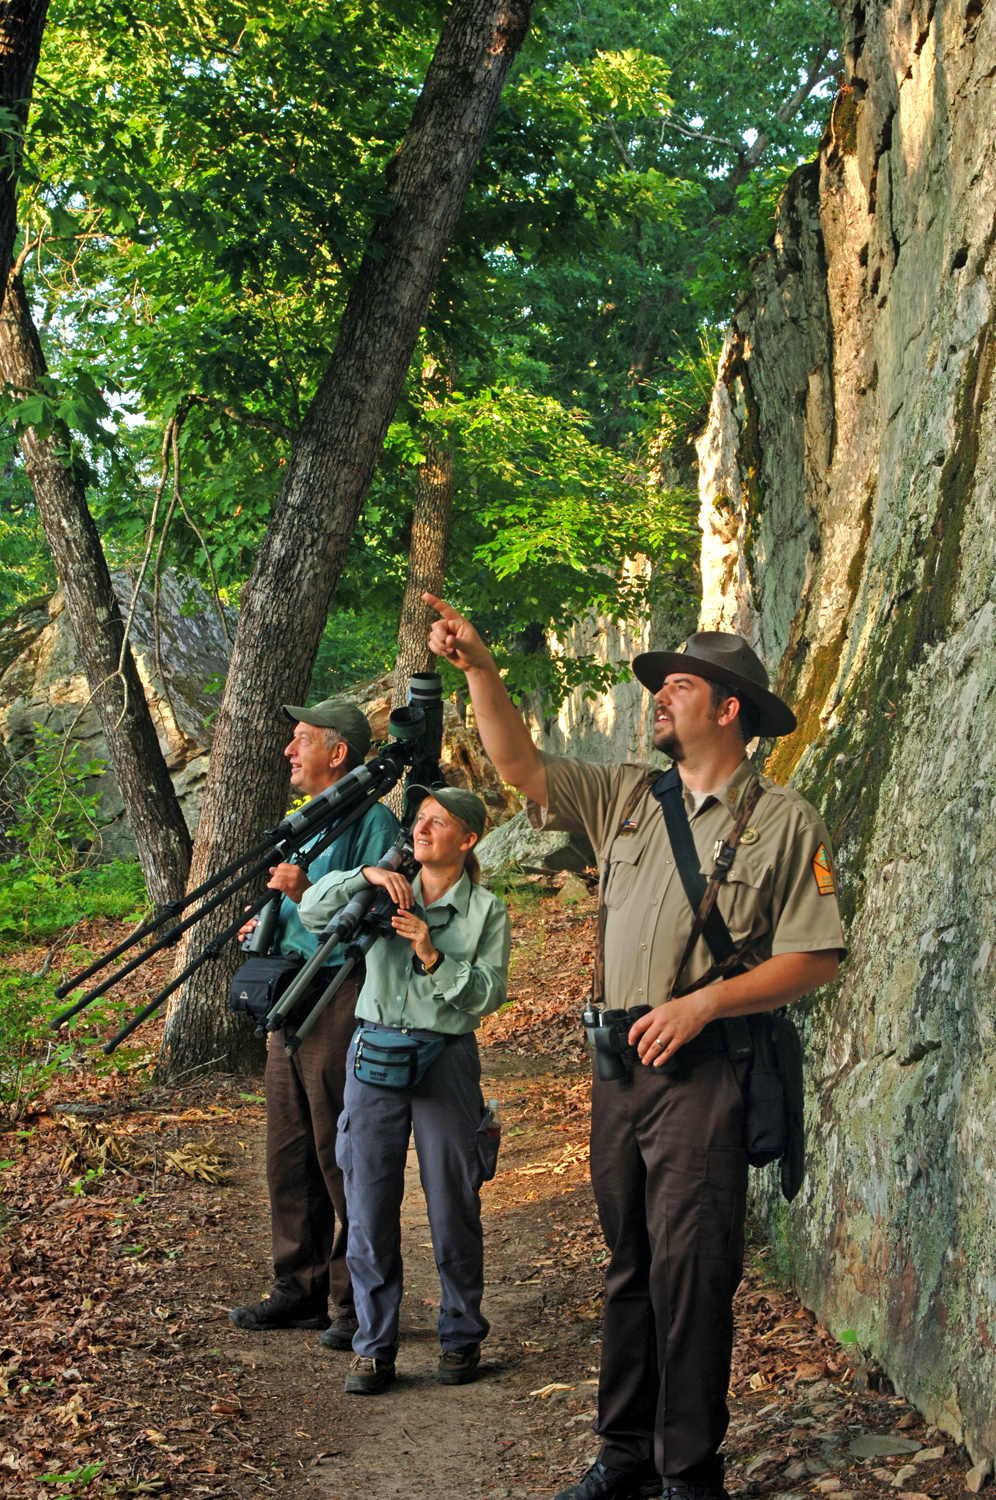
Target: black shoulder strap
668,791
701,893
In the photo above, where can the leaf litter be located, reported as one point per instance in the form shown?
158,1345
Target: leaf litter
112,1378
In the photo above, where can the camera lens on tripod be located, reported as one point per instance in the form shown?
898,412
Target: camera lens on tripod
407,723
425,688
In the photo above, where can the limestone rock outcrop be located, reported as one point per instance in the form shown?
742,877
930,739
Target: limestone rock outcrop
848,494
42,681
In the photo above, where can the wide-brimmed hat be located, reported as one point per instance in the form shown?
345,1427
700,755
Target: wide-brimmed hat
350,721
458,802
728,660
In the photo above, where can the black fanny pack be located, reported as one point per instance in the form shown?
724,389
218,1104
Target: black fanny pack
260,982
391,1058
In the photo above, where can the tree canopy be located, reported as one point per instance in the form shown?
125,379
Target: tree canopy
199,186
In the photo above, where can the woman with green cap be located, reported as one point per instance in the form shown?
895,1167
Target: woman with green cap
425,993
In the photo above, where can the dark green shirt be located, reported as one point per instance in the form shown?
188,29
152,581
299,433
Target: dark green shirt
363,844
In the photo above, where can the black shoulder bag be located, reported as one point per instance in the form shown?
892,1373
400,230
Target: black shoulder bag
259,983
773,1104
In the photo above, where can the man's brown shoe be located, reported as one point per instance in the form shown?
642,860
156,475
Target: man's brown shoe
368,1377
457,1366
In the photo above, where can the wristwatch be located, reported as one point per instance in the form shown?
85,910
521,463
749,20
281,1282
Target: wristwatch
421,968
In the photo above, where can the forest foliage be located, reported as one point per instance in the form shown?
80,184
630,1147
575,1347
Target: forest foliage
199,184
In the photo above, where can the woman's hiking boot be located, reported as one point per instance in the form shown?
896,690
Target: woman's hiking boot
368,1377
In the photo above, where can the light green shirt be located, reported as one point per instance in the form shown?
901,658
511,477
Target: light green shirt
468,926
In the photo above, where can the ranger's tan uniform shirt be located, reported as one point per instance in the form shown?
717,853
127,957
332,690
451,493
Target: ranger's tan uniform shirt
781,886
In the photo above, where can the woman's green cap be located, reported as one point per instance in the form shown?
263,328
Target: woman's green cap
350,721
458,803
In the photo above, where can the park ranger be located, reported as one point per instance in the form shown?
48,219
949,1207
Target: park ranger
668,1153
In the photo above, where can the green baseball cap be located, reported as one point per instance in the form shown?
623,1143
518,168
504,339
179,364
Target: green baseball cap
461,804
351,722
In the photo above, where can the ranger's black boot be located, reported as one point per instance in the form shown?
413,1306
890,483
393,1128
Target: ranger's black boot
281,1310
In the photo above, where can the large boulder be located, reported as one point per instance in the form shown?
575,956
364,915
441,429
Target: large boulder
42,682
517,846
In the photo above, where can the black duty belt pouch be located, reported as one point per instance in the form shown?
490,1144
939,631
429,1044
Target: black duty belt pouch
259,983
395,1059
774,1123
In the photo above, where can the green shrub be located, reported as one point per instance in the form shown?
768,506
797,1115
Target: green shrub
29,1052
37,901
58,818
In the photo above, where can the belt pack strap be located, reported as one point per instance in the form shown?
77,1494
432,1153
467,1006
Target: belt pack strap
598,971
702,893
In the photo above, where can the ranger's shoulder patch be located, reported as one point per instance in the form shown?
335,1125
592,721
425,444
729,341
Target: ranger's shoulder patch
823,871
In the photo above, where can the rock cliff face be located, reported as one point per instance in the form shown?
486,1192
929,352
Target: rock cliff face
42,682
848,489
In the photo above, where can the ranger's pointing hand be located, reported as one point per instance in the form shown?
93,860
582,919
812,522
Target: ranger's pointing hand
500,725
456,639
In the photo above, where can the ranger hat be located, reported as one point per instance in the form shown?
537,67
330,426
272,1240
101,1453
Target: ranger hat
728,660
461,804
351,722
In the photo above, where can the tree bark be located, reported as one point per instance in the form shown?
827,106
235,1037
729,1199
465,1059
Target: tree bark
426,564
161,834
286,603
22,23
427,557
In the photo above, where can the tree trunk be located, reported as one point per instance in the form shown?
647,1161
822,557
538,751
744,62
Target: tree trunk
22,23
286,602
426,574
426,564
161,834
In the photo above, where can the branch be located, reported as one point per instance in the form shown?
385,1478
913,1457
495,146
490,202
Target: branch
624,155
22,259
737,147
247,419
789,107
178,497
795,101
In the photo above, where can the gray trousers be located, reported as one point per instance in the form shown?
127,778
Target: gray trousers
446,1112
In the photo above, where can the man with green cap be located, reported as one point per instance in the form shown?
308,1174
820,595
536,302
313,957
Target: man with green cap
668,1145
304,1093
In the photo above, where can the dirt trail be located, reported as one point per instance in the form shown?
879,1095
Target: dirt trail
492,1438
121,1374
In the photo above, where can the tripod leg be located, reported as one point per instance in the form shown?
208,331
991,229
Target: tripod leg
294,1041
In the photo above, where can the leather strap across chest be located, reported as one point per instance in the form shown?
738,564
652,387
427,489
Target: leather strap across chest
702,893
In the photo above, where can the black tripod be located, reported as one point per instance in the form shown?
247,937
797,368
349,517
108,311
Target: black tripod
417,731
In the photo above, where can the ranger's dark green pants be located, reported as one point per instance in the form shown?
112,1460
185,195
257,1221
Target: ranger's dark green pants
669,1170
